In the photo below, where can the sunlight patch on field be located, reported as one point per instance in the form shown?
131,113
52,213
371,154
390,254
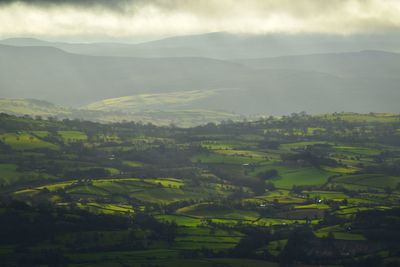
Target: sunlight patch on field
290,176
25,141
150,101
72,136
338,233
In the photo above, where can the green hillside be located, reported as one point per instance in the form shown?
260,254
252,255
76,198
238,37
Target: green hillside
158,109
144,102
31,107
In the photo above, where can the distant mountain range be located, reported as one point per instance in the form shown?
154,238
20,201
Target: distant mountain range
365,81
222,45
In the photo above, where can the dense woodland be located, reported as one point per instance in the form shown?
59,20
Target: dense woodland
296,190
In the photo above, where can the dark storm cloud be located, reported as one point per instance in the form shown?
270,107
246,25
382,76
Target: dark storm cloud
110,4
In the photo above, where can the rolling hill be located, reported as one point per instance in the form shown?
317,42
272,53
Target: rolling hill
31,107
359,81
108,111
223,45
364,63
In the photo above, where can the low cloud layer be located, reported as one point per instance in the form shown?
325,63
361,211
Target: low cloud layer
130,18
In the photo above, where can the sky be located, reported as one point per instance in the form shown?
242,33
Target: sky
151,19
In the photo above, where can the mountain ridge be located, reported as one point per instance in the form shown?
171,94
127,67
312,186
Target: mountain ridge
228,46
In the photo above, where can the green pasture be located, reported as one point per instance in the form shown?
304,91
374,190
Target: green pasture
338,233
350,210
215,158
312,206
280,196
166,182
198,237
251,139
180,220
298,145
106,208
56,186
290,176
369,180
72,136
242,153
162,195
40,134
341,169
223,144
328,195
25,193
25,141
112,171
205,210
229,222
355,150
315,130
8,173
275,247
133,164
88,190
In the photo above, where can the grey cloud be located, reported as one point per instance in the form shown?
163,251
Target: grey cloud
112,5
210,8
72,2
170,17
204,6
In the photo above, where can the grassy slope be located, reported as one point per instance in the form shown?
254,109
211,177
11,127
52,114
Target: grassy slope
369,180
142,102
158,109
8,173
31,107
25,141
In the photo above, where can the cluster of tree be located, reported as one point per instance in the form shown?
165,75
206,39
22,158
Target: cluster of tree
24,225
379,225
315,155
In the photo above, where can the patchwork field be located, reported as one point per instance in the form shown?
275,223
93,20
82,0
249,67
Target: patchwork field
237,194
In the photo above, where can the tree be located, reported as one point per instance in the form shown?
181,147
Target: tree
388,190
